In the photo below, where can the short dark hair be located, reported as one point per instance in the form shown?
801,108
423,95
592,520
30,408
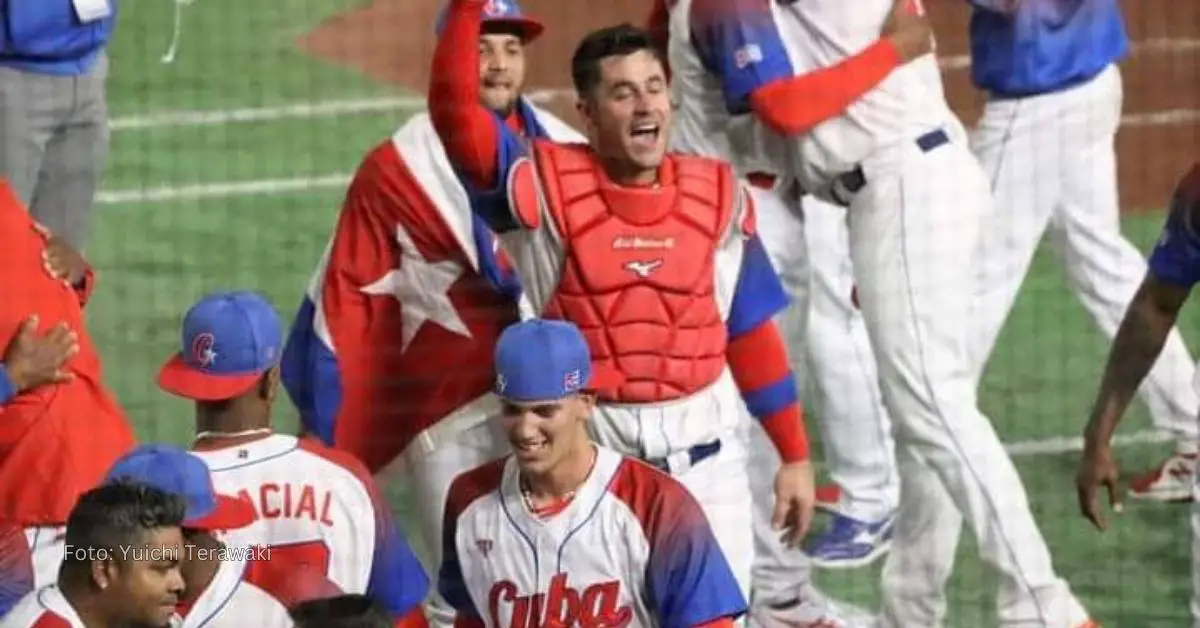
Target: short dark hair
342,611
613,41
116,515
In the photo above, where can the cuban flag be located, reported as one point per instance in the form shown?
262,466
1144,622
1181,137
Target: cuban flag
398,324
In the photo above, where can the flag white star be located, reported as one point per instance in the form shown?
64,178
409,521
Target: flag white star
421,289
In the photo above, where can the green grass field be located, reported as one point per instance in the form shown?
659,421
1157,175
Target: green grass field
192,207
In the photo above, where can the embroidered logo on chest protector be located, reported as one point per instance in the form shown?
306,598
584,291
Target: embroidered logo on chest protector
596,606
643,268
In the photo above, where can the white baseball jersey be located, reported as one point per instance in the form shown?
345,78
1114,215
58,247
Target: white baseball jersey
43,608
318,507
706,123
228,600
631,548
908,103
240,590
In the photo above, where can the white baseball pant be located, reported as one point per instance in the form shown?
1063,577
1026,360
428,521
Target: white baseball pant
663,434
1195,601
914,233
1052,162
839,364
458,443
779,574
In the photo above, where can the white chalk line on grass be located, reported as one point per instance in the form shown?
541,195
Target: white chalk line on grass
269,187
347,107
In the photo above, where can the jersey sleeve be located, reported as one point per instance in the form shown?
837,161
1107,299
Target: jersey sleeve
1176,256
758,294
493,203
451,581
691,583
398,581
739,42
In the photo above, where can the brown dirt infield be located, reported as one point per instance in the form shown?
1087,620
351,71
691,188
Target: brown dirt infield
391,41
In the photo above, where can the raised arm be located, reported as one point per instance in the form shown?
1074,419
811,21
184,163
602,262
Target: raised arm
739,42
477,141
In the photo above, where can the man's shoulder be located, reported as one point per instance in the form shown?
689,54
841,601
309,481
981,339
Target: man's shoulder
649,491
472,485
335,458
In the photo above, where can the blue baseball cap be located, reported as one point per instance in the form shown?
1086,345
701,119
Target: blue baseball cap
229,340
174,470
546,360
501,13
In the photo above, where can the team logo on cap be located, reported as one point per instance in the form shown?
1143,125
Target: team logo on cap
202,349
501,384
495,7
572,380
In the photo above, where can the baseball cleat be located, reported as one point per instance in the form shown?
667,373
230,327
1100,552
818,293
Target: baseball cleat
828,497
1170,481
849,543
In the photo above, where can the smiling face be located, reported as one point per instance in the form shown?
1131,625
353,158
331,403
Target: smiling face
628,114
546,435
501,70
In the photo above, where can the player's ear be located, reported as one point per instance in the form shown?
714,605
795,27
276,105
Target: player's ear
587,403
587,113
268,386
103,572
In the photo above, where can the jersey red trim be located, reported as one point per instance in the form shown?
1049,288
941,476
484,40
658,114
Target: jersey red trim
795,105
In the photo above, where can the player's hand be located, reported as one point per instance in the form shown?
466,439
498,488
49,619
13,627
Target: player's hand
61,260
908,29
795,500
1098,468
32,361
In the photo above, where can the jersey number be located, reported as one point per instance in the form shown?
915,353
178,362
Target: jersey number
294,572
311,554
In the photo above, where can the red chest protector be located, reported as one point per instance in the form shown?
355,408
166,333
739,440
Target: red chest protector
638,276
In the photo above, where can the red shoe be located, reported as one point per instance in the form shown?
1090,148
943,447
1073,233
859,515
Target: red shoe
829,496
1170,481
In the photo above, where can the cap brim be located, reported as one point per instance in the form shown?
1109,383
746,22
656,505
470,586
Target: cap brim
526,28
231,513
177,378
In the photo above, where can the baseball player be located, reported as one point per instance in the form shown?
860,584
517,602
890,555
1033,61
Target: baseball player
317,507
224,582
48,457
102,582
389,357
1174,268
343,611
898,160
1047,141
854,424
721,114
621,543
656,258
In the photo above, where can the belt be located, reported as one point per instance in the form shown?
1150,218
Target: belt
850,183
681,461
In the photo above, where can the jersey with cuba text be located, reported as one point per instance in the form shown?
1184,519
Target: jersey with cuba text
632,548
